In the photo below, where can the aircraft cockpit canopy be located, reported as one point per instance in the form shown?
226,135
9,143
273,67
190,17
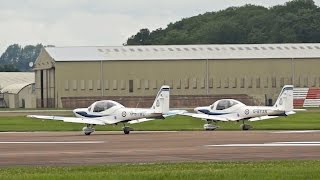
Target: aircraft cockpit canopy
224,104
100,106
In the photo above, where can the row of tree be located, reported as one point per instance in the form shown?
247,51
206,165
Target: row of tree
17,58
297,21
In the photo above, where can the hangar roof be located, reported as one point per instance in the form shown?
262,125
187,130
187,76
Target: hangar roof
8,78
177,52
14,88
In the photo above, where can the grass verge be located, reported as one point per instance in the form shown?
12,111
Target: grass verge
296,169
301,120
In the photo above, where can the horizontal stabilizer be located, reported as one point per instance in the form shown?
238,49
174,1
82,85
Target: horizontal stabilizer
299,110
262,118
290,113
174,112
140,120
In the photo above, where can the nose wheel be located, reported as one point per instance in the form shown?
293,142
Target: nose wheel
245,127
126,129
210,125
87,130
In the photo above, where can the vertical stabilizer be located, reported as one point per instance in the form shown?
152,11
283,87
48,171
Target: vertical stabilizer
285,99
161,103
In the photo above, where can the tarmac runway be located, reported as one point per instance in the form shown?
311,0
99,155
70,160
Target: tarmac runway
74,148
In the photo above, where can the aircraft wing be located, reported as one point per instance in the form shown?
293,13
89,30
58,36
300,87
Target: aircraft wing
97,121
224,117
262,118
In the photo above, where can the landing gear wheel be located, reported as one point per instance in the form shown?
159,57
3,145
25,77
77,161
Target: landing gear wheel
87,133
126,130
209,127
87,130
245,127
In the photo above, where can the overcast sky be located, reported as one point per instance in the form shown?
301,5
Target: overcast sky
97,22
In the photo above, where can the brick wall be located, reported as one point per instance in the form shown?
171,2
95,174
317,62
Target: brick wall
146,101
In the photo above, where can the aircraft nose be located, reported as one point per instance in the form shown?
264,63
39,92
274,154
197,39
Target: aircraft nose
75,112
197,109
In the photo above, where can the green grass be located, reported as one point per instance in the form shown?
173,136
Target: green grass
301,120
197,170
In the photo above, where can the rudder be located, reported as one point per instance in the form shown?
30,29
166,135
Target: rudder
162,100
285,99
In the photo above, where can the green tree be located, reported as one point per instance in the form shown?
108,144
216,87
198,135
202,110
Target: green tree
295,21
16,58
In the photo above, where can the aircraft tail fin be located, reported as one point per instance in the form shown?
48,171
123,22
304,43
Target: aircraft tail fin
161,103
285,99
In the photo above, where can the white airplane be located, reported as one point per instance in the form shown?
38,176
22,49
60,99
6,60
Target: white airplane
233,110
107,112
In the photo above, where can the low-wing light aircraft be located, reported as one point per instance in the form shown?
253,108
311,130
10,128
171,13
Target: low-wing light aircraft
107,112
233,110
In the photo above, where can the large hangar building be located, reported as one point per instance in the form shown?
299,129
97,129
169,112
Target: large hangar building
198,74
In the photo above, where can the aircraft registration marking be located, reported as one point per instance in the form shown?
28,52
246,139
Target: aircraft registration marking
260,111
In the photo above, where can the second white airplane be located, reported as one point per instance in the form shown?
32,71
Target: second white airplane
233,110
109,112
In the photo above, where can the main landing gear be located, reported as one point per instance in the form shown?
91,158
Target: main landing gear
245,127
126,129
87,130
210,126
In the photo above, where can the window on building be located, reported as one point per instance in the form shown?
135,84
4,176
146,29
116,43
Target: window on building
90,85
274,82
178,84
66,85
146,84
234,83
130,86
306,82
106,84
74,85
258,82
266,82
250,82
242,83
98,84
282,82
186,83
82,84
219,83
226,83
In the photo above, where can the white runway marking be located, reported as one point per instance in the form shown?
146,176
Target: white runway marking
301,131
299,142
51,142
272,144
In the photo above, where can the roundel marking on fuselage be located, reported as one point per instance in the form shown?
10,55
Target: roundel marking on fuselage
124,114
246,112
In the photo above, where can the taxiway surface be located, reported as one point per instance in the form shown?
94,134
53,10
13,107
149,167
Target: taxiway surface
74,148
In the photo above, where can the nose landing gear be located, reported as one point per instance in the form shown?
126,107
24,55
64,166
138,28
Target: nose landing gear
126,129
245,127
210,126
87,130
